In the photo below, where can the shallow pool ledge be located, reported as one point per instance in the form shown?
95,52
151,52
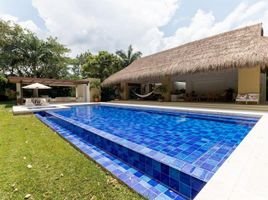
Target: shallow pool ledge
244,174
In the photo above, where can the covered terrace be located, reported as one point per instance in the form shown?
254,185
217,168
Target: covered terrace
226,67
81,87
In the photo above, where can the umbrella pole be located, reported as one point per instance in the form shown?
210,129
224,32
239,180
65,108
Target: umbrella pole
35,93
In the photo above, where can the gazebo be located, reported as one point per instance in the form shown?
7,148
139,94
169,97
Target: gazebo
82,87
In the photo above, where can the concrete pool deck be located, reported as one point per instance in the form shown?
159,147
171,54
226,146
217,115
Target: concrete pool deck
208,105
24,110
243,175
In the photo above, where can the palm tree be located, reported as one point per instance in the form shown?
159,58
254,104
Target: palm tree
129,56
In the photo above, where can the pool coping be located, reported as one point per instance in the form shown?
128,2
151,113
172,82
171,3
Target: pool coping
244,173
24,110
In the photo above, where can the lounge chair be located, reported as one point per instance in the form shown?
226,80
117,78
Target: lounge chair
43,102
248,98
241,98
253,98
29,103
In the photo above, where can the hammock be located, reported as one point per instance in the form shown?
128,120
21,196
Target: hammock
143,95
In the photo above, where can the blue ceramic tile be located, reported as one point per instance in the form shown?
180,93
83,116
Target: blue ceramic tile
185,178
174,184
197,184
141,184
152,182
161,188
171,194
162,197
171,147
185,190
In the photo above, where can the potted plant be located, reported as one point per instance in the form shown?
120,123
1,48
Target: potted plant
161,90
229,94
96,98
175,95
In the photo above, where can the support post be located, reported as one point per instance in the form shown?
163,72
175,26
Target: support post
166,82
76,91
124,91
19,90
87,93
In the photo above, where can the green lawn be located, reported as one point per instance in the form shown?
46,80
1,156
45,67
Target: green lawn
58,170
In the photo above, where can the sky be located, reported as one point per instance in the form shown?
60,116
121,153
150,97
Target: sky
149,25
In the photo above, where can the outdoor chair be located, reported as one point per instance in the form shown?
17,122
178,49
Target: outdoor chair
248,98
28,102
253,98
36,101
241,98
44,102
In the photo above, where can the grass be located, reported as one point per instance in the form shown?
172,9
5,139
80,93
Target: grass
58,170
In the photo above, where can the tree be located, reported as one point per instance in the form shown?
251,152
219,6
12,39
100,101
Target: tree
3,82
129,56
77,63
55,62
101,65
22,53
10,37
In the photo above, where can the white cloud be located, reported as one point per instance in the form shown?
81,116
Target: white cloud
29,24
114,24
203,24
6,17
107,24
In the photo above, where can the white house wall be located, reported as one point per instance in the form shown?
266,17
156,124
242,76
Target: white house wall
82,91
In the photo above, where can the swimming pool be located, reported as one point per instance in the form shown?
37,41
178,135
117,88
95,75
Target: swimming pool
180,149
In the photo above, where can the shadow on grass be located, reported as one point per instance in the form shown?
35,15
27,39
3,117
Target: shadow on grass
7,104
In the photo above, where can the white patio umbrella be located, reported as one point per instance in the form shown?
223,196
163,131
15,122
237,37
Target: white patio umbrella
36,86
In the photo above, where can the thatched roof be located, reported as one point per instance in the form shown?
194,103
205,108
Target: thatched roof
244,47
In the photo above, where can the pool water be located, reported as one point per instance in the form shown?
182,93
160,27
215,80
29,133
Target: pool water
202,140
161,153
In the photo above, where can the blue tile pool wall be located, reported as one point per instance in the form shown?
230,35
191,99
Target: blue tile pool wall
180,182
136,180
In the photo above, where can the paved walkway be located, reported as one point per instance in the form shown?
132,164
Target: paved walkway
225,106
